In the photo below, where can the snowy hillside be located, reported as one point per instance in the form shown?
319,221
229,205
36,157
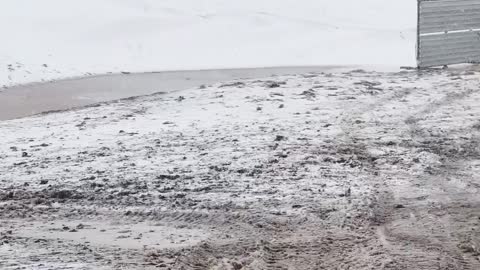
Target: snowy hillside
51,39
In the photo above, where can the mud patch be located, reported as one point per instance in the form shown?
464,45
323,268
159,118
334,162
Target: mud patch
105,234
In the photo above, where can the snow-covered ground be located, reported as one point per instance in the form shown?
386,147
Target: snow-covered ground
351,170
50,39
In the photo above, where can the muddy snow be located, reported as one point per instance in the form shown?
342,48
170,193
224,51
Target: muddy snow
353,170
30,99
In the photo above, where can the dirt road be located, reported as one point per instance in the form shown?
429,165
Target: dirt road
354,170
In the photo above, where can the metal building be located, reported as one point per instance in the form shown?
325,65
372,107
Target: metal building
448,32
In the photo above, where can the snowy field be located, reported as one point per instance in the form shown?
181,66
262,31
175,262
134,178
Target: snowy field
352,170
51,39
335,169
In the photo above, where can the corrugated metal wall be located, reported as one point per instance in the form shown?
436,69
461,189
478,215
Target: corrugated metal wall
448,32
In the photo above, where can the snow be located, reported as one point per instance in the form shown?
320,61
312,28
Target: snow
311,164
51,39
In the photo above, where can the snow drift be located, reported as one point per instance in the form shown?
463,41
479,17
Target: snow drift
51,39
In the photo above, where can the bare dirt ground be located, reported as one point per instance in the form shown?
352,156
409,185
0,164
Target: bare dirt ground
354,170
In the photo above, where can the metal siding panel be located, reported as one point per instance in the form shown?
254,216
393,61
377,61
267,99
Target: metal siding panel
438,43
449,23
